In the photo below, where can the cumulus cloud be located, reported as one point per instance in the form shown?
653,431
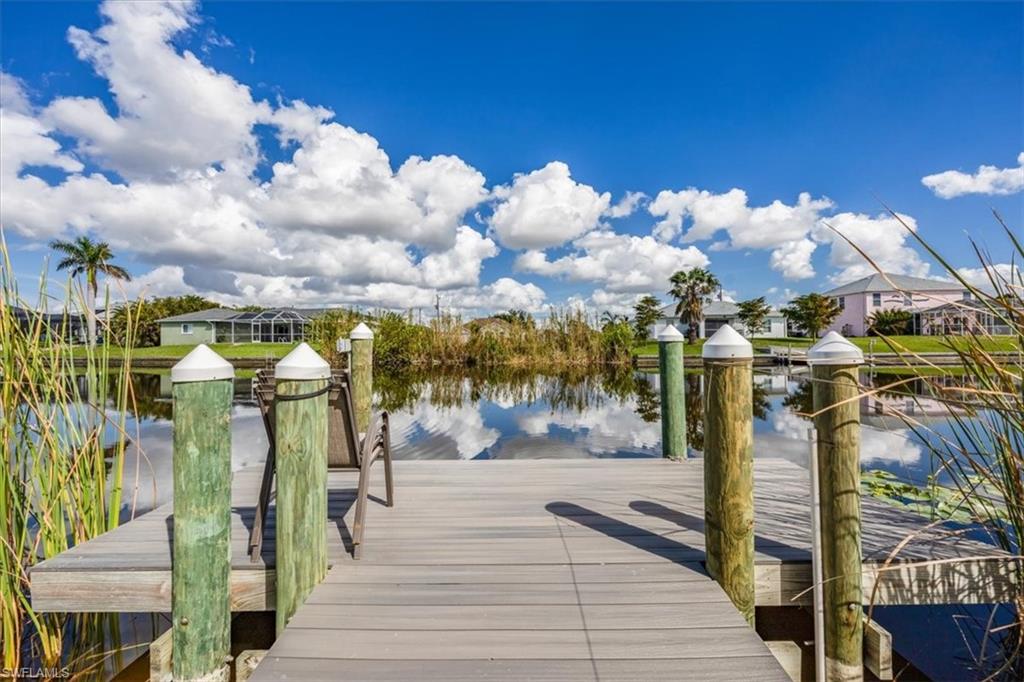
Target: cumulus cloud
333,222
622,263
883,238
1006,275
12,94
986,180
782,228
545,208
340,182
174,113
627,205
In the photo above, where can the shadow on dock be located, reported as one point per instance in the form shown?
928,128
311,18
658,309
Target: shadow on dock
690,522
641,538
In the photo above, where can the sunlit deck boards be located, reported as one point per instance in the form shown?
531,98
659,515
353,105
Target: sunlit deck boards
549,569
501,513
522,571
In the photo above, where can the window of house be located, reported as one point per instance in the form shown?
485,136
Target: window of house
876,300
967,295
842,302
908,300
186,328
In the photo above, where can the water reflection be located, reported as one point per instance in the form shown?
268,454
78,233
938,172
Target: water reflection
517,414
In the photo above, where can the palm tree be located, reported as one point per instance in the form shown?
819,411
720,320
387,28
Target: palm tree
608,317
691,290
83,256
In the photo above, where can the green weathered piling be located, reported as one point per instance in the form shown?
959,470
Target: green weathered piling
362,374
834,364
673,393
301,431
201,572
728,466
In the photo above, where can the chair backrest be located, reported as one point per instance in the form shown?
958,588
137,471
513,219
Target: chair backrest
342,434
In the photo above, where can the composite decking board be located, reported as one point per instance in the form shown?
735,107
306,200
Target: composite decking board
581,644
510,617
497,594
618,513
522,670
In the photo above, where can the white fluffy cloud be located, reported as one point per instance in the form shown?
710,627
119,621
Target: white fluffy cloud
333,222
622,263
627,205
175,114
986,180
340,182
174,175
545,208
883,238
1006,275
780,227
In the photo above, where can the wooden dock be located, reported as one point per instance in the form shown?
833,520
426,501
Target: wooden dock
539,569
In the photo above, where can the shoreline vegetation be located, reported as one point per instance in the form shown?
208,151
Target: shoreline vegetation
894,345
63,415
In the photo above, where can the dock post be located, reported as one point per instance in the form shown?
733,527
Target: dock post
362,374
301,448
202,387
834,365
673,393
728,466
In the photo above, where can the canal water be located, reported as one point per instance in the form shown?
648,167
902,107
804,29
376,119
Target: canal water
478,416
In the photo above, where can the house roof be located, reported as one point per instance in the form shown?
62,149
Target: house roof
881,283
228,315
957,306
715,309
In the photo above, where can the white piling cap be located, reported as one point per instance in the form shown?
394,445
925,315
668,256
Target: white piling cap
361,332
726,344
201,364
670,335
303,363
834,349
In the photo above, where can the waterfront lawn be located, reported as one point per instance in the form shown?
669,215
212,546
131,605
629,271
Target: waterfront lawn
229,351
651,348
912,344
915,344
694,349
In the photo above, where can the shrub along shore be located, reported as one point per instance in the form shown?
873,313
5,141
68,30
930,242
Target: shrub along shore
562,339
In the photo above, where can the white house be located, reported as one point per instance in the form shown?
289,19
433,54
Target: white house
718,313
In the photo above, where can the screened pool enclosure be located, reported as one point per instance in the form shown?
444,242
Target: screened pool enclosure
266,326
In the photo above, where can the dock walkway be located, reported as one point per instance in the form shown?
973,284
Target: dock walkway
540,569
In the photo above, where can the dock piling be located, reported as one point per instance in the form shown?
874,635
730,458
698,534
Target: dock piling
728,466
673,393
301,431
834,365
202,389
362,374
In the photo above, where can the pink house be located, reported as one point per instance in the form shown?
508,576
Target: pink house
863,297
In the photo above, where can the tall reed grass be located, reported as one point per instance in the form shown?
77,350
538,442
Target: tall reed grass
565,337
62,428
979,453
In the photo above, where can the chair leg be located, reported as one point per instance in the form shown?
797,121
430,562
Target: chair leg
360,519
389,483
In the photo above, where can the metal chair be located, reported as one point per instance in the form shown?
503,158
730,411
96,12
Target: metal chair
346,449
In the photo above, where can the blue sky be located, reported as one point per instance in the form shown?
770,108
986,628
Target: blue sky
158,129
